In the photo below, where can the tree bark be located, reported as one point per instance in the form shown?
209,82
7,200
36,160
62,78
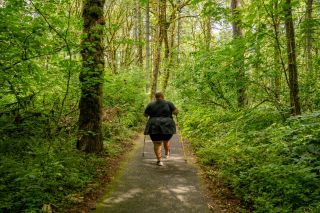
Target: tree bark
90,137
208,33
147,42
292,64
169,53
157,58
140,52
179,34
238,34
309,35
277,54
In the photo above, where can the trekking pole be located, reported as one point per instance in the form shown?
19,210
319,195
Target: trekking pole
181,141
144,144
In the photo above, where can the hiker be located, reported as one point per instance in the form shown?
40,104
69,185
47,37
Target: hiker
160,125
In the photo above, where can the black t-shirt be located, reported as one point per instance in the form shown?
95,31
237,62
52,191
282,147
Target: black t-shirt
160,108
160,118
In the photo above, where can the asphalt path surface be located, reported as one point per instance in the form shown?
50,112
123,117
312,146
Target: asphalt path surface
143,187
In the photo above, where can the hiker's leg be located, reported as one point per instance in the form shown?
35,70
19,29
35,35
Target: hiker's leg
166,143
157,149
166,147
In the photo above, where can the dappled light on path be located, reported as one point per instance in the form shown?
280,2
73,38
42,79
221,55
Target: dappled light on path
142,186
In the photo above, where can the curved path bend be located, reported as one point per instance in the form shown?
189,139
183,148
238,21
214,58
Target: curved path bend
143,187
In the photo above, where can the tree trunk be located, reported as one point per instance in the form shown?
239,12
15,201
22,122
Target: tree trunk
140,57
157,58
91,77
309,58
147,42
208,33
135,31
178,34
277,54
169,54
292,64
309,35
237,34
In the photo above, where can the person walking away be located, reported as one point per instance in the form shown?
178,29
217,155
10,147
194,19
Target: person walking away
160,125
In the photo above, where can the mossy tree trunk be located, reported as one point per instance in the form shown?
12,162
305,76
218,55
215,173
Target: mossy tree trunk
91,77
292,61
239,63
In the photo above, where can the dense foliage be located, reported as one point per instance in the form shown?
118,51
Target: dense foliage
267,156
269,159
230,66
39,97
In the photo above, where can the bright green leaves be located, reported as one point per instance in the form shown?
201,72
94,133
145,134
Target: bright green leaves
274,167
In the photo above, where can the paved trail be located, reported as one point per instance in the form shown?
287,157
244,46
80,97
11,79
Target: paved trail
143,187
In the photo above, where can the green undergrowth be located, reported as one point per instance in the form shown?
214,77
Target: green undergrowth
271,165
44,172
39,162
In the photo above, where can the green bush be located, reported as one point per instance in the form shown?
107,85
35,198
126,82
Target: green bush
39,162
271,165
126,92
44,173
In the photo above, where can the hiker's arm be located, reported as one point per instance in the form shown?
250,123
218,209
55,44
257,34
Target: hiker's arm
175,111
146,112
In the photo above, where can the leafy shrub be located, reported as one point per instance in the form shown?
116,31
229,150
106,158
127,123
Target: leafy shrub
271,165
45,173
126,92
39,163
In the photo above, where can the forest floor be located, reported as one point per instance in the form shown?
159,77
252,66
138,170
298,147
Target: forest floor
139,185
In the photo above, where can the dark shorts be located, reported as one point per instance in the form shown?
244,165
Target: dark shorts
160,137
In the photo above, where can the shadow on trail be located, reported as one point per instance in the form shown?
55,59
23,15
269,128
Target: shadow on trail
142,186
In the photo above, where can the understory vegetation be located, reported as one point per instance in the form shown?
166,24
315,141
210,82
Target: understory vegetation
269,158
39,162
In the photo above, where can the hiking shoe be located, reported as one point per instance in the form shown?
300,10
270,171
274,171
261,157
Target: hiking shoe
167,156
159,163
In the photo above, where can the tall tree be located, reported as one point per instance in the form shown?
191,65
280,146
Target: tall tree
179,33
171,25
147,42
208,33
309,35
139,17
91,77
162,5
238,34
277,51
292,62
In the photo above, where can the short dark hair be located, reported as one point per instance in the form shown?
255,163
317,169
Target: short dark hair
158,95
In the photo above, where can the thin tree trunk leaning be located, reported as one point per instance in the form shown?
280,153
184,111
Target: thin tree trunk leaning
91,77
237,34
292,64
